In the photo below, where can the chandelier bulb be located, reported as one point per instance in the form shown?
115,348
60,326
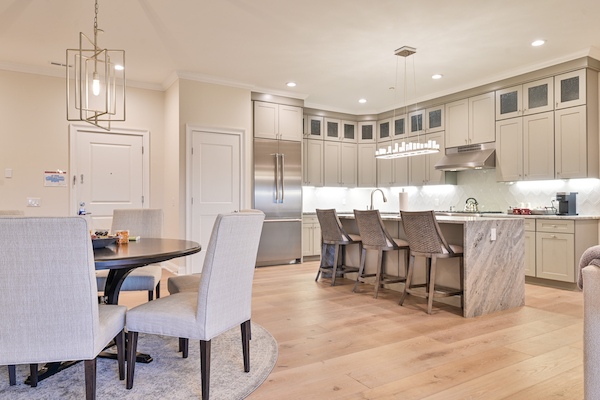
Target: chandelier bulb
96,84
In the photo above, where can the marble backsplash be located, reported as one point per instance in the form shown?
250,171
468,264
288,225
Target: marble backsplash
480,184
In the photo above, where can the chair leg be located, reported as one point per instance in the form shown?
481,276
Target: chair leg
90,379
120,341
431,284
411,267
33,375
378,276
336,256
150,295
427,273
323,256
131,353
12,375
184,344
363,256
205,367
246,345
406,262
158,290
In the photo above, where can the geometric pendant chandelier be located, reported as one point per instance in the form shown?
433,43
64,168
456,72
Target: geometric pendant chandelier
95,82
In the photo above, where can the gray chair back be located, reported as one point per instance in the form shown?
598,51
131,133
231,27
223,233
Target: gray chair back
11,212
48,294
423,232
144,222
371,229
331,227
225,292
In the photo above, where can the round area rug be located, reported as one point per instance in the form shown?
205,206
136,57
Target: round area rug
168,376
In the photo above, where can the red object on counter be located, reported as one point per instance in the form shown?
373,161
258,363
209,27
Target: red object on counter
516,211
525,211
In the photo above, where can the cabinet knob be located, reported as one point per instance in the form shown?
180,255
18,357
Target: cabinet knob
556,105
466,141
552,236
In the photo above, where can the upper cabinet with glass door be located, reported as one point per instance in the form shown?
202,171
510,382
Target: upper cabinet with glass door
384,130
538,96
415,122
570,89
315,127
509,102
333,129
434,119
349,132
366,132
399,129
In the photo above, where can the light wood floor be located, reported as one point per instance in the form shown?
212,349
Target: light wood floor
335,344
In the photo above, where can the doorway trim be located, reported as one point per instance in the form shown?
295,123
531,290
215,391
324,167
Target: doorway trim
74,129
189,129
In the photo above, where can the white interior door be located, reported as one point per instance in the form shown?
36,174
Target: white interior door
216,178
108,172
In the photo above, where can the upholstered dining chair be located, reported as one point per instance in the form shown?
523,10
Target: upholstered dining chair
146,223
426,240
48,306
222,302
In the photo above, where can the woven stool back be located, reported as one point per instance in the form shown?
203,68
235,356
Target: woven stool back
371,229
331,227
423,232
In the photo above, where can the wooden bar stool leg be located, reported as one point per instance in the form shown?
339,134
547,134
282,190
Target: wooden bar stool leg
411,267
363,256
323,254
433,263
406,262
378,276
335,263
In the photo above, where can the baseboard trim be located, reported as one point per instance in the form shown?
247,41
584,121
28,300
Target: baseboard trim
173,268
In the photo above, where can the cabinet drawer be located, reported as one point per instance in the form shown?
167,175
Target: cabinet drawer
530,224
555,225
309,219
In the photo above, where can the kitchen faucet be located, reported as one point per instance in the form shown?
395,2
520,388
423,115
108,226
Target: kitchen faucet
372,193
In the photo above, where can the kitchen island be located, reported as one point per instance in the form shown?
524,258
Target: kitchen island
494,278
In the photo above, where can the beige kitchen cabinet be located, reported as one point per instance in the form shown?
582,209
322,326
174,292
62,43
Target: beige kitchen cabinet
399,128
415,123
315,127
313,162
570,89
422,170
434,119
457,123
384,130
367,132
571,143
349,165
538,96
277,121
555,256
305,126
509,102
471,121
530,251
311,236
333,129
340,164
367,167
392,172
538,146
349,132
509,150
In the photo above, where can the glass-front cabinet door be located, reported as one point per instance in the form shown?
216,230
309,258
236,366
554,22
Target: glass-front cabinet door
434,119
315,127
569,89
538,96
366,132
333,129
415,122
349,131
509,102
384,130
399,131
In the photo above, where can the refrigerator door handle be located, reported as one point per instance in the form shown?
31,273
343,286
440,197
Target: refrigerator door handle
282,175
276,176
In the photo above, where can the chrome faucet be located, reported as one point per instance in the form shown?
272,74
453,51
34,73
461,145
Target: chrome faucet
372,193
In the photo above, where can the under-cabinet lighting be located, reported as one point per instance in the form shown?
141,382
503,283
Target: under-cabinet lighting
538,43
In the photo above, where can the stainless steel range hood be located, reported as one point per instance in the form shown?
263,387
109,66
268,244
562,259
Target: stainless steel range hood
475,156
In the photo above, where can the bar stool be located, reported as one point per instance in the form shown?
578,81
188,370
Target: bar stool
426,240
333,234
376,237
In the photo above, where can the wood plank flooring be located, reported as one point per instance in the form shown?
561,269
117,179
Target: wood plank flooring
335,344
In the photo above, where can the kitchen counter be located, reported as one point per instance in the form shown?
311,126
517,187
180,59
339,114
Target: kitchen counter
494,275
569,217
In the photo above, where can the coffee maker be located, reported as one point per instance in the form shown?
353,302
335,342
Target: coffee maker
567,205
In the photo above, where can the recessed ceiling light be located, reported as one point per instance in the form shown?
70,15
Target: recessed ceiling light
437,76
362,101
119,67
538,43
291,84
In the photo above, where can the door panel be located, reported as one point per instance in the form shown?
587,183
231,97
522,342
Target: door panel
538,146
509,150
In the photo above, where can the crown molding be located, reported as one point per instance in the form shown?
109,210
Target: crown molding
192,76
339,109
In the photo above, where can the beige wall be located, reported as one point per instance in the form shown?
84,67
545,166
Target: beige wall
171,170
34,137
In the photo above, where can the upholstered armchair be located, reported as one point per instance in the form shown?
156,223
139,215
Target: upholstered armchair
221,302
48,297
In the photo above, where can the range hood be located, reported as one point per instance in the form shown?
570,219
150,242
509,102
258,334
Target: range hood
474,156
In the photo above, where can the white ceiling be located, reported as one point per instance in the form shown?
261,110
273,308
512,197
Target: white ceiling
337,51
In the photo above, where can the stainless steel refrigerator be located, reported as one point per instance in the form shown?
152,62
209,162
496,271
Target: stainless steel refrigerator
278,193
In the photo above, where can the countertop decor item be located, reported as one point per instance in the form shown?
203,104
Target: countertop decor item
94,71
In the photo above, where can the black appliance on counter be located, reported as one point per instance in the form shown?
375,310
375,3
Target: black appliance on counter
567,204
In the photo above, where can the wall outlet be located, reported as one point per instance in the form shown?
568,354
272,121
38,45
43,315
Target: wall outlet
34,202
493,234
8,173
436,202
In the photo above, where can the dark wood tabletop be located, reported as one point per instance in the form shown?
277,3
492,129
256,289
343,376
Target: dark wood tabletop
143,252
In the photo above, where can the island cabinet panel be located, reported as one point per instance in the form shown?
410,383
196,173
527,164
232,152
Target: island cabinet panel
538,146
367,167
509,150
571,143
555,256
